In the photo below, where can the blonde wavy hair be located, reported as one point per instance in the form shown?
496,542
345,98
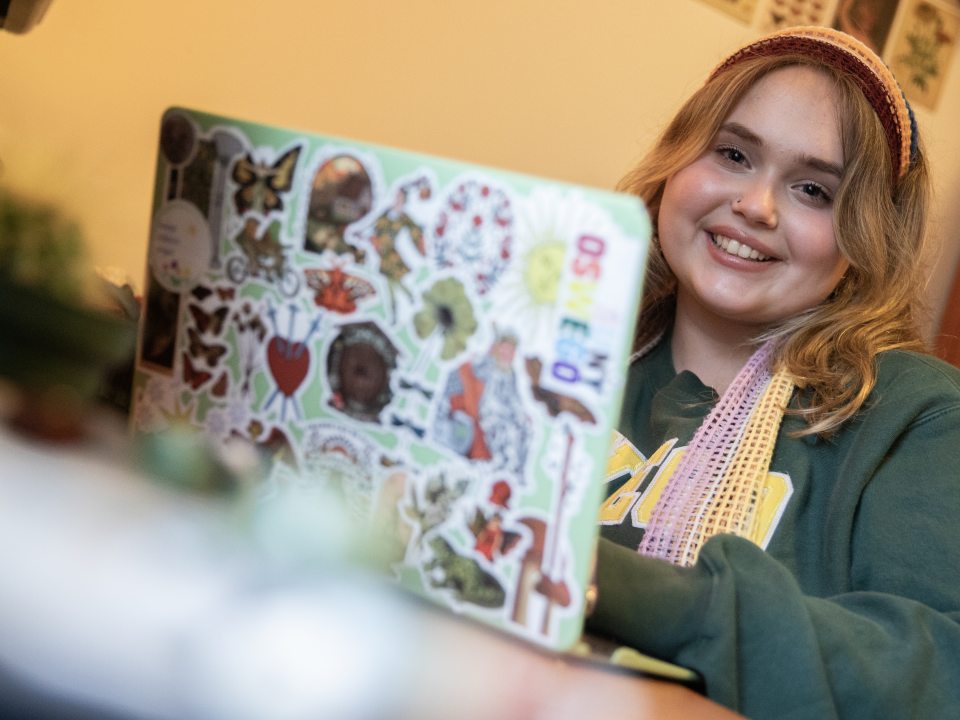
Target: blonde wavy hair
880,226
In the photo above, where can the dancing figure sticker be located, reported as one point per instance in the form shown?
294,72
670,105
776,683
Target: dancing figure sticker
440,345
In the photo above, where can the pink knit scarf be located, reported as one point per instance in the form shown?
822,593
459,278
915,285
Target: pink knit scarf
717,485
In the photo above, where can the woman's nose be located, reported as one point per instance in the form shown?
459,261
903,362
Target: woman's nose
756,202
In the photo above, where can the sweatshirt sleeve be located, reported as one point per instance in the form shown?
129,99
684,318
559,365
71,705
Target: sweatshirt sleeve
887,645
763,648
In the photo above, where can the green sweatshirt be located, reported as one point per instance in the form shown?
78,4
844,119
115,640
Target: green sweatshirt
847,601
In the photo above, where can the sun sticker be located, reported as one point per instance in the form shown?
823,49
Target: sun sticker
548,221
542,270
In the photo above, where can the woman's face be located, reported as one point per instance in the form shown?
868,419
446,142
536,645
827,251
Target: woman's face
747,228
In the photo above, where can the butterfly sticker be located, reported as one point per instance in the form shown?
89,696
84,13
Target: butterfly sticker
210,352
254,326
211,322
261,184
193,376
201,292
337,290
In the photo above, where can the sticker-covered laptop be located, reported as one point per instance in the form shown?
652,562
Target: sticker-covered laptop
442,343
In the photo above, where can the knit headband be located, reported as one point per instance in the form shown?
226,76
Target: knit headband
851,57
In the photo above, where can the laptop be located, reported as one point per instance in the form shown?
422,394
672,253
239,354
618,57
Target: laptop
442,344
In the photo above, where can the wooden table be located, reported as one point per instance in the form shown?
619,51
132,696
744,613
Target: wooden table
138,600
504,679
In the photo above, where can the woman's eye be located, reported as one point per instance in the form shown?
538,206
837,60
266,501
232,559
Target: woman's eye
734,155
816,192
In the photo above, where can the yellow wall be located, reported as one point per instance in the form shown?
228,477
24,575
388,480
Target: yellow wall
564,88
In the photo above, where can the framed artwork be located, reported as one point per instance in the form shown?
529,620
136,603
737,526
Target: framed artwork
922,47
867,20
742,10
781,14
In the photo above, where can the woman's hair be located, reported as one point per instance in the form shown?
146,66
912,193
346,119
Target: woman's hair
879,222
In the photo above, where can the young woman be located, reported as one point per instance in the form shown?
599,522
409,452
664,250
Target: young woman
784,497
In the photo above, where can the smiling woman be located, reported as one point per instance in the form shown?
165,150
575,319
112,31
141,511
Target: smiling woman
747,228
880,228
790,450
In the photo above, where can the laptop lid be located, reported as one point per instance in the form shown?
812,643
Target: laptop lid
443,344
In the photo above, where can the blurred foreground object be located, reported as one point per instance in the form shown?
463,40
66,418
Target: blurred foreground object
19,16
131,599
128,599
60,333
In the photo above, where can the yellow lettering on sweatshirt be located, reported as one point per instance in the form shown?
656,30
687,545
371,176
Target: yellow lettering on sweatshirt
628,500
774,495
625,459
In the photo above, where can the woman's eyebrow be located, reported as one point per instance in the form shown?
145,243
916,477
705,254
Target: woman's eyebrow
742,132
811,161
823,166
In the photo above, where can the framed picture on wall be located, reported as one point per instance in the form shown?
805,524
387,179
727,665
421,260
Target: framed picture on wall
867,20
742,10
921,50
781,14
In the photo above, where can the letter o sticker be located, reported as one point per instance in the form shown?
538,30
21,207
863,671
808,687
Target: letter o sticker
565,372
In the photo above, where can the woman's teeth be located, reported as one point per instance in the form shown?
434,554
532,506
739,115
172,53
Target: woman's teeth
735,247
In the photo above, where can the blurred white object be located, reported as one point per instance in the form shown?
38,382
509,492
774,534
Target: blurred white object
125,599
124,595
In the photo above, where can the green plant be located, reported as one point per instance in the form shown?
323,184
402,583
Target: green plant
42,248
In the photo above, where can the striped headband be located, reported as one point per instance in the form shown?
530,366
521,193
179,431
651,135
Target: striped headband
850,56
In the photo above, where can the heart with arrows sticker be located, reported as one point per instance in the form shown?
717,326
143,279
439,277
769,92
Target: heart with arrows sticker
289,363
